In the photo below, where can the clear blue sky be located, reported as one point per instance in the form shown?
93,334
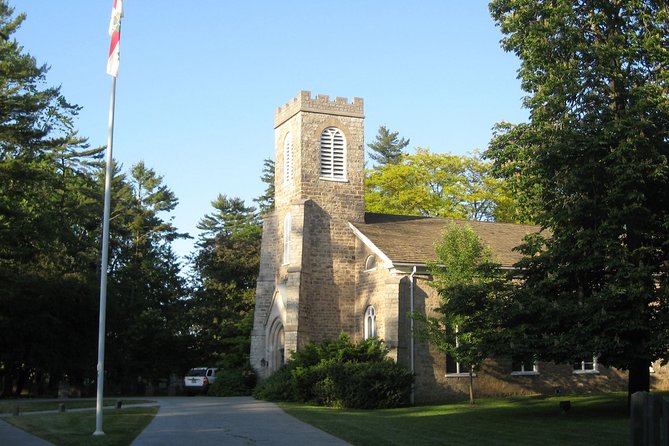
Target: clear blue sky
199,81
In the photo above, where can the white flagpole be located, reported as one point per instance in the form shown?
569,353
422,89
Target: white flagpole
103,268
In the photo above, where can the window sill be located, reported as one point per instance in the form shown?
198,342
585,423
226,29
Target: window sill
525,373
459,375
585,372
336,180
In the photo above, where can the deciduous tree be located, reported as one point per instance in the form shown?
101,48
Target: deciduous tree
594,157
439,185
465,325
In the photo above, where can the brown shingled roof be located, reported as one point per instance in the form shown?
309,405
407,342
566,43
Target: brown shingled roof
409,239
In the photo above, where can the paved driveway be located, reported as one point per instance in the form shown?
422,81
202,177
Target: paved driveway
207,421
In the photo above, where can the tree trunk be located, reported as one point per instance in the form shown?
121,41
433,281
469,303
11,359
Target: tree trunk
471,385
639,378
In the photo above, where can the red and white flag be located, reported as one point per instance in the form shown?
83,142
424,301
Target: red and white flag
115,33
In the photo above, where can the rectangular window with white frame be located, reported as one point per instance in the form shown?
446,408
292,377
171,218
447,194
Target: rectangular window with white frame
587,365
454,368
524,366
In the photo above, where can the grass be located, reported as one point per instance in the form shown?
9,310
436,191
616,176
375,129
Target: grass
25,406
593,420
121,426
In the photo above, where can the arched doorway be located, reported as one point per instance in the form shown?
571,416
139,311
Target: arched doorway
276,346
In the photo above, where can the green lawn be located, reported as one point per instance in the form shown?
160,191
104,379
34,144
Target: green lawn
593,420
121,426
8,406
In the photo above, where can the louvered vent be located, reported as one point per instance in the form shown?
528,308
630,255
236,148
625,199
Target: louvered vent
333,154
288,159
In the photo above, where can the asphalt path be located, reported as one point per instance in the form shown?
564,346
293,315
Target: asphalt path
206,421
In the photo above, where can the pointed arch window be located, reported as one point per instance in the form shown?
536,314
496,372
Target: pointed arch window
333,154
288,159
370,322
286,239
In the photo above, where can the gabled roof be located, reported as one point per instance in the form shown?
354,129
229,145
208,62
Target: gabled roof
403,239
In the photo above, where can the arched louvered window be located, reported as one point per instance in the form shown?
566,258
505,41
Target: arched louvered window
333,154
288,159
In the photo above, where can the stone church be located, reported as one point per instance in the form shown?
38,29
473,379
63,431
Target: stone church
329,267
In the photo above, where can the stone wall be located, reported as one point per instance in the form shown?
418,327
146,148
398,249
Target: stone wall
318,283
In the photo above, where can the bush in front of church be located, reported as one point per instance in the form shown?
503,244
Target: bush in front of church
233,382
340,374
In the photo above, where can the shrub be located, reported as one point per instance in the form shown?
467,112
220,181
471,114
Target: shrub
234,382
278,387
340,374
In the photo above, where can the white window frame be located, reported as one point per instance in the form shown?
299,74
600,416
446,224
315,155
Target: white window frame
582,370
458,367
288,159
370,263
370,322
333,155
286,238
526,369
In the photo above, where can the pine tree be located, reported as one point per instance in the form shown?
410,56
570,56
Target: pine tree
387,148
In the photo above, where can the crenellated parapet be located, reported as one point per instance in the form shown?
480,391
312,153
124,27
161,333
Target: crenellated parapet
320,104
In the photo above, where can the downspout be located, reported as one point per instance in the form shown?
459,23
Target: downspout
412,346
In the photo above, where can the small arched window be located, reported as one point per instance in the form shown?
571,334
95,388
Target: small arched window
286,239
333,154
288,159
370,263
370,322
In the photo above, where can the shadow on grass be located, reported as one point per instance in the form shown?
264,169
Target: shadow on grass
592,420
121,427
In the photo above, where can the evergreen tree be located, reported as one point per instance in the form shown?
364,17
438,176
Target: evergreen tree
266,200
594,156
387,148
226,266
47,264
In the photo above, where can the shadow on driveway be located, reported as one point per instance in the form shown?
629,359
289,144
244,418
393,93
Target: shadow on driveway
231,421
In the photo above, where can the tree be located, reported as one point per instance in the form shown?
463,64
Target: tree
387,148
266,200
594,156
146,291
46,241
468,282
439,185
225,265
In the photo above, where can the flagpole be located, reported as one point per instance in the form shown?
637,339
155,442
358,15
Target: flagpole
103,268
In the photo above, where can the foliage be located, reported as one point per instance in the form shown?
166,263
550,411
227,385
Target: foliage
51,185
594,160
387,148
465,326
225,266
266,200
233,382
341,374
439,185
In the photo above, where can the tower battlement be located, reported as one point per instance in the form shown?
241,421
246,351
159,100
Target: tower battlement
320,104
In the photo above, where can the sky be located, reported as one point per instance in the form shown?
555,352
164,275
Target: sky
199,81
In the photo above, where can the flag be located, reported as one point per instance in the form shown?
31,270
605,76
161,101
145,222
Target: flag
115,33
